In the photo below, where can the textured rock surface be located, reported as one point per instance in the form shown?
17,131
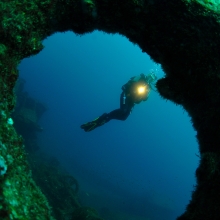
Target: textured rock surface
182,35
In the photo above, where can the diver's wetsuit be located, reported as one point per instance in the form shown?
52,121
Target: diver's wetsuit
123,112
128,98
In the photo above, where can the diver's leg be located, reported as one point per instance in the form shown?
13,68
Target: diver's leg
95,123
123,112
119,114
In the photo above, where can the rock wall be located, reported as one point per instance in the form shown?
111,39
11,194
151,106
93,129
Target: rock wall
182,35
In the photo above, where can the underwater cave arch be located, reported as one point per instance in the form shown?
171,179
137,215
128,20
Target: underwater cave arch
183,37
64,60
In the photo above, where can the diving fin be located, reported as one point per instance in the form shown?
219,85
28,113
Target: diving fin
95,123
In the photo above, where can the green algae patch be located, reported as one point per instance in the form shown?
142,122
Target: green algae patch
19,196
213,5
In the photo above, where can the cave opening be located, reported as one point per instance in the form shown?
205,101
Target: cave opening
147,162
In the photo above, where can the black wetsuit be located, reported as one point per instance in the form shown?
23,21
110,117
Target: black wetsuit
124,111
129,97
130,100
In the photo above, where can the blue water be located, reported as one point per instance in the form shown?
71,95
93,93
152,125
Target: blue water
143,167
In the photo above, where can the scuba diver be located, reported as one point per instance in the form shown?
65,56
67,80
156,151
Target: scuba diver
136,90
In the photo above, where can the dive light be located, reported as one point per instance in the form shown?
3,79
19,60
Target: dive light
142,89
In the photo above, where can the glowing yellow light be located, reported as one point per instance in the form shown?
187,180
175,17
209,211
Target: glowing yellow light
141,89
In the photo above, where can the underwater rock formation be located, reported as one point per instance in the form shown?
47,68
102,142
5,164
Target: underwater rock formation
182,35
55,182
85,213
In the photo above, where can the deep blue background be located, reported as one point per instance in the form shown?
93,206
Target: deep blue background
140,166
